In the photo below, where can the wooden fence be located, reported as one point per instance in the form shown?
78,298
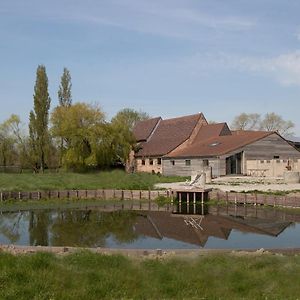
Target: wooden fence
229,197
87,194
255,199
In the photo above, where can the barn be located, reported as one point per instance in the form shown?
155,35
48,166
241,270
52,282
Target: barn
187,145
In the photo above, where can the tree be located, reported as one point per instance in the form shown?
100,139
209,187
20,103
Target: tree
65,100
269,122
274,122
246,121
7,143
64,92
122,125
38,119
82,125
128,117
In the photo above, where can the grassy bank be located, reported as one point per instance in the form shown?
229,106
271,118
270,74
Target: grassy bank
92,276
66,180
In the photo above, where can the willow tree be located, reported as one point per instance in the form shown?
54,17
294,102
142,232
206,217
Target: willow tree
82,125
39,118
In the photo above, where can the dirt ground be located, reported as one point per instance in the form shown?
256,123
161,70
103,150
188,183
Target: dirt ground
243,184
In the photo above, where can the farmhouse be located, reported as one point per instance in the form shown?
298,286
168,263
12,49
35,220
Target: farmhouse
188,145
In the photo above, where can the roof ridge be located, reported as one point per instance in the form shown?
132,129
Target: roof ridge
187,116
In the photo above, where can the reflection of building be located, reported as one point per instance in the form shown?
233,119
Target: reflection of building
188,145
175,226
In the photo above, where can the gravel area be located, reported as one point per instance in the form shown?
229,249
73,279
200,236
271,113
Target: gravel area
243,183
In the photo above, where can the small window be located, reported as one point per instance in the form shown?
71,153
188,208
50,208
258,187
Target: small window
143,162
214,144
173,162
151,161
159,161
187,162
278,161
276,156
205,162
268,161
262,161
285,161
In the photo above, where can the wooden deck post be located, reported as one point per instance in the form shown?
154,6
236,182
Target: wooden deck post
194,198
202,197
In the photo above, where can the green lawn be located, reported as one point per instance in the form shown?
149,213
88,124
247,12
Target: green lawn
66,180
94,276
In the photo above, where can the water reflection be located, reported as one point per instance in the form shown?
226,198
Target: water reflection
147,226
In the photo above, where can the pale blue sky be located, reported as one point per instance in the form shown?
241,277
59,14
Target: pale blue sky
165,57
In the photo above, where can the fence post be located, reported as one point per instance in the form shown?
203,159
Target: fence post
1,196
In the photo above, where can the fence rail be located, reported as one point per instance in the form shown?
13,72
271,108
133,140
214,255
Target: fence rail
87,194
256,199
229,197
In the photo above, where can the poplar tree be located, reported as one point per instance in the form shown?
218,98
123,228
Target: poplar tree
64,92
65,101
39,117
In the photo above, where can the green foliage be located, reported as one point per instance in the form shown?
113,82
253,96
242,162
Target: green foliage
128,117
8,153
81,126
64,92
84,275
121,130
162,200
38,119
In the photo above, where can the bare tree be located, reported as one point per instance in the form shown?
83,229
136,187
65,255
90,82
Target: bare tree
269,122
274,122
246,121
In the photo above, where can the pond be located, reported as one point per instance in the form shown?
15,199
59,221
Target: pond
146,226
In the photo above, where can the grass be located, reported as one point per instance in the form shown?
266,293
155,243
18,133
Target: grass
116,179
93,276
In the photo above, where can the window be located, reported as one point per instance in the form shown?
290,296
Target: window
159,161
268,161
276,156
214,144
278,161
262,161
205,162
173,162
187,162
151,161
143,162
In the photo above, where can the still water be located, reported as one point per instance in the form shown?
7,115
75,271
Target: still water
144,227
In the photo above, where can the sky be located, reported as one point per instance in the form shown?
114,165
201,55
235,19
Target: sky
166,57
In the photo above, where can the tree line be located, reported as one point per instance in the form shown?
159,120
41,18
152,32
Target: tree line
75,136
268,122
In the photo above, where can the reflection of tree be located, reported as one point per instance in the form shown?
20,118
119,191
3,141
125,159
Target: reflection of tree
10,226
90,228
39,222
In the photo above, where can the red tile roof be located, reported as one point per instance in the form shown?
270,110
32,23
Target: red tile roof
143,129
168,135
218,145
